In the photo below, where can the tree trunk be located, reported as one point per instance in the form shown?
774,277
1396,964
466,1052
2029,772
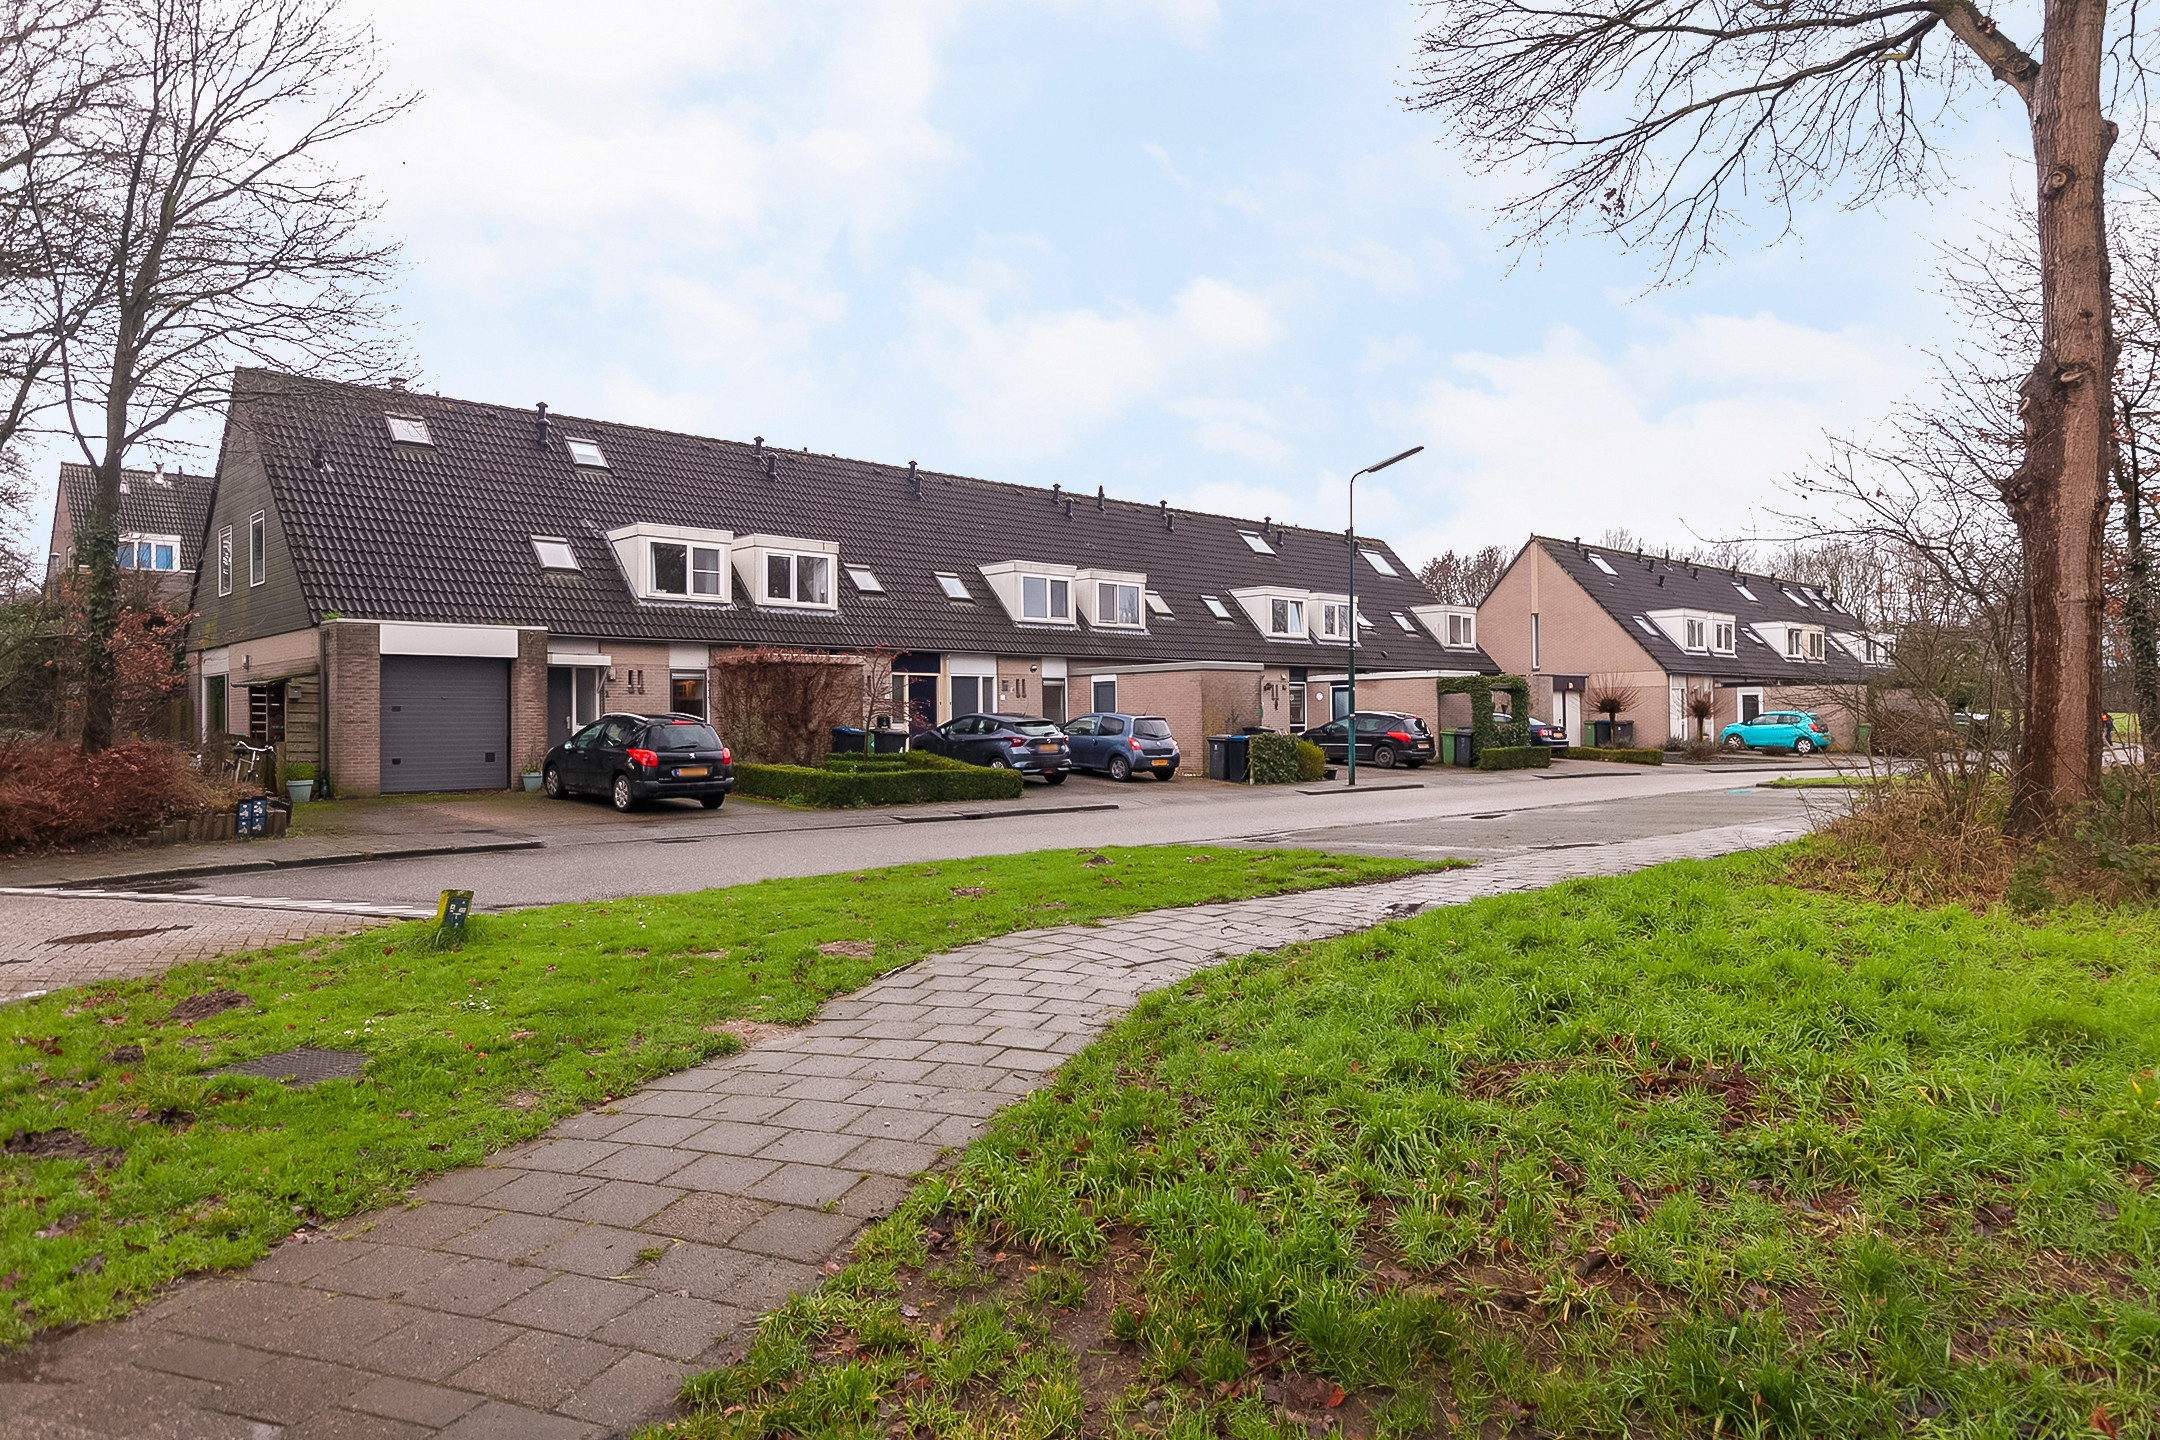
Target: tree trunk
2059,495
2138,610
101,607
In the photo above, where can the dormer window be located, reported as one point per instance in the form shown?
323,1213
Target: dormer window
1695,633
686,570
1043,597
408,430
1378,561
553,553
149,552
586,454
672,562
1256,543
1117,604
1215,607
953,586
1722,637
798,579
1334,621
1814,644
1286,617
1462,631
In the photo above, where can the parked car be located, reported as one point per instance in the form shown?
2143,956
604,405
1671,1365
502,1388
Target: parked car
1122,746
1384,739
1792,730
635,758
1027,743
1550,736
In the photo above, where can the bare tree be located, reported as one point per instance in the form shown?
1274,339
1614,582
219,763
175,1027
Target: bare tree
2137,452
218,235
1464,579
1664,116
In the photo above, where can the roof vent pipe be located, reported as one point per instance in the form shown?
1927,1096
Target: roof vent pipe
1055,491
1165,513
1068,507
757,443
540,425
915,478
396,382
1100,500
768,468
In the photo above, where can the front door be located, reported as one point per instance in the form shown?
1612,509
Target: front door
921,701
561,705
1571,719
1750,706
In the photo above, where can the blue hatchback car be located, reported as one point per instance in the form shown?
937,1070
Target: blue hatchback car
1793,730
1122,746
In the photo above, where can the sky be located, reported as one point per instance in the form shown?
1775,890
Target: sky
1188,250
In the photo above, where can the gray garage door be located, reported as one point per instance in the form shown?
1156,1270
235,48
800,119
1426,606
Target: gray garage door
445,724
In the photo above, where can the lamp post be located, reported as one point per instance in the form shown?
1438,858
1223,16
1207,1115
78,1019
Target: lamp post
1350,735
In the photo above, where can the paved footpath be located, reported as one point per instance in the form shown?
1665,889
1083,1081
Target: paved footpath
565,1288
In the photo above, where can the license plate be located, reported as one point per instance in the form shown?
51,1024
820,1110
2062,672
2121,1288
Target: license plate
689,772
1160,763
1048,745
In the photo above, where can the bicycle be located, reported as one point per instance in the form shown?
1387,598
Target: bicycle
248,757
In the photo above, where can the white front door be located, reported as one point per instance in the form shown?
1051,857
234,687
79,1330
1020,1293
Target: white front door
1571,717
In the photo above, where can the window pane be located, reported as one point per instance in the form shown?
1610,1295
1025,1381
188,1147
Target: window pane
1105,604
964,695
812,585
1152,729
1034,597
1297,707
1061,599
1128,605
1279,616
1105,695
165,557
670,568
1297,616
124,557
953,586
704,570
779,577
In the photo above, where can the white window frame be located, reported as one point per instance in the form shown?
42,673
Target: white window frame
424,437
1286,616
1215,607
598,460
225,567
1696,633
1462,632
1749,594
864,579
1792,642
1047,598
258,548
1156,605
1403,622
954,587
1599,561
791,590
1722,637
1379,562
1334,619
554,553
135,540
1256,542
634,551
1092,587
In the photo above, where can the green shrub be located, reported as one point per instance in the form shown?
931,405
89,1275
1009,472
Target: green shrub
916,778
1514,757
1624,757
1311,761
300,770
1273,759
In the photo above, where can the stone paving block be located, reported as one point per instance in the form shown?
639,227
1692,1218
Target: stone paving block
893,1157
342,1424
595,1124
734,1137
811,1185
796,1234
600,1250
891,1124
887,1070
653,1130
819,1066
285,1390
1037,1062
646,1164
340,1330
434,1346
822,1087
241,1310
675,1100
430,1405
473,1286
464,1187
421,1225
944,1037
729,1174
570,1305
817,1115
873,1198
635,1388
746,1108
541,1192
971,1076
120,1402
537,1369
295,1262
212,1360
705,1272
496,1421
710,1219
383,1271
676,1326
812,1042
955,1130
569,1156
510,1235
814,1147
1016,1038
620,1202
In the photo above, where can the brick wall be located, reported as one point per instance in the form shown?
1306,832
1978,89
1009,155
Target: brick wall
353,749
1174,695
1411,697
640,677
1575,637
1837,706
528,702
1019,685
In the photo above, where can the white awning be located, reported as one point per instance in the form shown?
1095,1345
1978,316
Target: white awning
479,642
580,657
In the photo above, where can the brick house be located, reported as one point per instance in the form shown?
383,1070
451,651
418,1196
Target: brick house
426,593
1564,612
161,527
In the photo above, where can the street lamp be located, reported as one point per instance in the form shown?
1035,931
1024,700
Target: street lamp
1350,746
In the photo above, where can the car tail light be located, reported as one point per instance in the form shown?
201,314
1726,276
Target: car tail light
1398,736
1019,742
1133,744
726,756
643,757
1817,726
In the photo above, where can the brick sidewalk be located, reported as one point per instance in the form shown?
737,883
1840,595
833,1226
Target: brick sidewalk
111,939
565,1288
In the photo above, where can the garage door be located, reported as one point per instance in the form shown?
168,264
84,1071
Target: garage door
445,724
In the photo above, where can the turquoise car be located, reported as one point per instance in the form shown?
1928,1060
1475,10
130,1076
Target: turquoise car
1792,730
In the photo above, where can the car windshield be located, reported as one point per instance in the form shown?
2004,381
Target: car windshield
1152,729
1033,727
684,735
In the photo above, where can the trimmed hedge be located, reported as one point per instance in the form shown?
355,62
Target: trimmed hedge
846,781
1514,757
1273,759
1624,757
1311,761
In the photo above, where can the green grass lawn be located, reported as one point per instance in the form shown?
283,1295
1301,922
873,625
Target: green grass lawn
130,1163
1686,1153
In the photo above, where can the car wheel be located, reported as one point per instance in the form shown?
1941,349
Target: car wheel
1735,743
1383,756
552,783
999,762
711,802
624,800
1055,779
1803,746
1120,768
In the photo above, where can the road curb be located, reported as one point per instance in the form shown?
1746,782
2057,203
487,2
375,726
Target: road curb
297,862
1003,814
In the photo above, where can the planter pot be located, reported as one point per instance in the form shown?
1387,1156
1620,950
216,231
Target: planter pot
532,780
298,791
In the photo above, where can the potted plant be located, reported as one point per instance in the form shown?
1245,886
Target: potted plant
530,772
300,781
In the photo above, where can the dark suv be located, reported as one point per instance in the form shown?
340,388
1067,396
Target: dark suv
635,758
1027,743
1385,739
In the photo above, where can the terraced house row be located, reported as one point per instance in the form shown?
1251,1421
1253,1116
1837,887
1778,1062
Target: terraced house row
424,593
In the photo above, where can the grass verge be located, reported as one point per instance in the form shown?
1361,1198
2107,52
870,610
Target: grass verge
1687,1153
127,1160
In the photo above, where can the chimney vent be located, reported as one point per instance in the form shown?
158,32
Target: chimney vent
757,443
769,463
1101,500
1068,507
915,478
540,424
1056,491
397,382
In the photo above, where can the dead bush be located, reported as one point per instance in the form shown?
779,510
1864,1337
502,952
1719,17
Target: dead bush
779,707
53,794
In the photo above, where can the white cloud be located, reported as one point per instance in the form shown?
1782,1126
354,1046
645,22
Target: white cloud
1695,430
1027,384
1248,430
1381,266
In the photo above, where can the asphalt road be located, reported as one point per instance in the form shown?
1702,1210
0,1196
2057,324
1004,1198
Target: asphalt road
591,854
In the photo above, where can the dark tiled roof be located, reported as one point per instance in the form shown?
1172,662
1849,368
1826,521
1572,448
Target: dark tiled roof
150,504
388,532
1640,584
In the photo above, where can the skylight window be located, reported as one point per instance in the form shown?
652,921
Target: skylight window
1745,591
553,554
1156,604
952,586
586,453
1645,626
1215,607
1378,561
1402,622
409,430
864,580
1255,543
1599,561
